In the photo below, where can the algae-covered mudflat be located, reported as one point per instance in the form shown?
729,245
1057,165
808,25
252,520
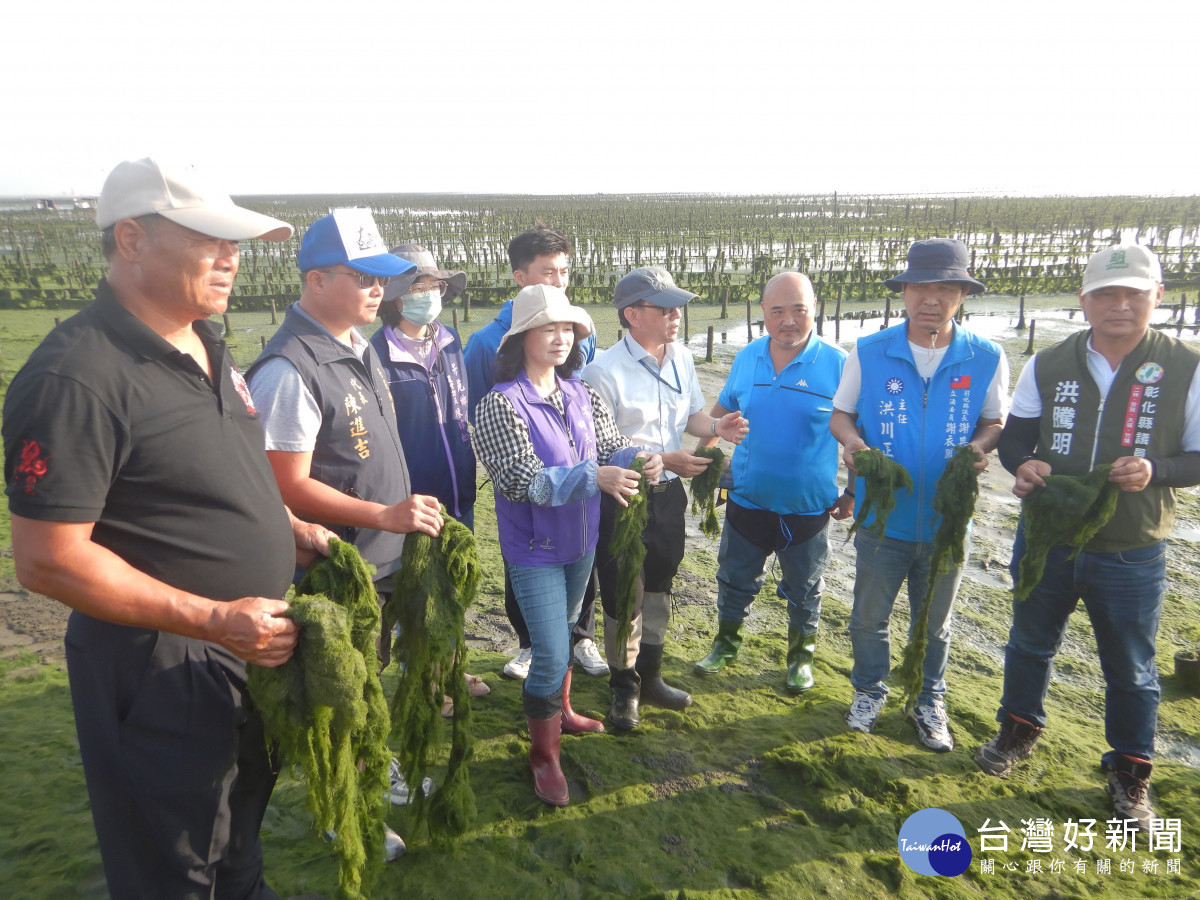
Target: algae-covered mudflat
750,793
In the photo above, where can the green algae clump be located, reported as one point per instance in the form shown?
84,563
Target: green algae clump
323,709
1071,510
883,477
953,500
438,579
704,490
630,552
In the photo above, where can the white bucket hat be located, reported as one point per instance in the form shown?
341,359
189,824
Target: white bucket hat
544,304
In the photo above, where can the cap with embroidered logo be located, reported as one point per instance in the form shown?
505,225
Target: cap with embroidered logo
349,237
1125,265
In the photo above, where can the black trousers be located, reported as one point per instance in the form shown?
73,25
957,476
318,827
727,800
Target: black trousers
175,760
664,536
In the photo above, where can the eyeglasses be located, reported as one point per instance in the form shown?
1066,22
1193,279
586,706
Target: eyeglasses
658,309
418,287
365,281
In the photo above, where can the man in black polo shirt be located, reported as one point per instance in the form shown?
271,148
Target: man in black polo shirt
141,497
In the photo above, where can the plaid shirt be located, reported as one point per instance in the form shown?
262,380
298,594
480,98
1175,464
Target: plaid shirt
503,445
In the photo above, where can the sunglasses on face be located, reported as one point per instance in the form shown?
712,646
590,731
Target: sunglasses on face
364,280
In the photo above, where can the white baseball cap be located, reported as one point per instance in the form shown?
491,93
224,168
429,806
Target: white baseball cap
140,187
1125,265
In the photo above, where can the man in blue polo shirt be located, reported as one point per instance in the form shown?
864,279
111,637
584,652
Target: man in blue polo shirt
917,390
784,476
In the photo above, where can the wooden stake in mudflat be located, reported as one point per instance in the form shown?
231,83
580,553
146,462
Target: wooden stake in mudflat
837,317
274,314
228,327
709,347
749,323
1032,329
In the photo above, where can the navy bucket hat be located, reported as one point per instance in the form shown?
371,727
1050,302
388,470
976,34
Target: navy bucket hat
935,260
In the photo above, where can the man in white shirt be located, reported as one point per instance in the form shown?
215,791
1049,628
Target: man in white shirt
650,383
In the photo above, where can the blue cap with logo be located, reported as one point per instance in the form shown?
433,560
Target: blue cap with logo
349,237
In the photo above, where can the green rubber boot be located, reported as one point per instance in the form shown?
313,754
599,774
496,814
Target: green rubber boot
724,649
801,647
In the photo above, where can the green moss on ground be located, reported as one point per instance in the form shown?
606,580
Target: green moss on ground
751,793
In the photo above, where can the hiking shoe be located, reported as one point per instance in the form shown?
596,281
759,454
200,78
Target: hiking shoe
1012,744
933,726
589,657
1129,787
863,712
518,666
393,845
400,793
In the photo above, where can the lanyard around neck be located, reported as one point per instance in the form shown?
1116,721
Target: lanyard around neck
677,387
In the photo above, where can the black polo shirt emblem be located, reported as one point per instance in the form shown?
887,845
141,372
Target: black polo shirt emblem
239,384
32,465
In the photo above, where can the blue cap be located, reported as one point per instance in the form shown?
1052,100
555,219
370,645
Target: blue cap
349,237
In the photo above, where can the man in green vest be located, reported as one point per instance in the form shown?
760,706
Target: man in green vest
1122,394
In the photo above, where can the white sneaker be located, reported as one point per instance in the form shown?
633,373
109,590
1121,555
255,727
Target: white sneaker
589,658
933,726
400,793
393,845
518,666
863,712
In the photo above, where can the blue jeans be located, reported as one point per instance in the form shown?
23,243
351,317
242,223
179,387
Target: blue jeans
880,567
550,598
740,576
1123,596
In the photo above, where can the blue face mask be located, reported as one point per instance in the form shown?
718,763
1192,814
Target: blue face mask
421,307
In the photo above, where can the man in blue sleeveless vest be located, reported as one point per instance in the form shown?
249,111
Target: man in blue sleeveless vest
330,423
918,390
1118,393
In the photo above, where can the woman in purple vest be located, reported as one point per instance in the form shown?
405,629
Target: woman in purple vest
550,446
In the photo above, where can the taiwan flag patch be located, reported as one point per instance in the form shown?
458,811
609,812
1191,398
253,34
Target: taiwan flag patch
960,382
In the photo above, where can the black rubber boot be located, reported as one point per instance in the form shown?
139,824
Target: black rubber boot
626,687
801,647
655,691
724,649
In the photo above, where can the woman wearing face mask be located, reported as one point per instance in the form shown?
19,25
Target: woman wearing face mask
423,360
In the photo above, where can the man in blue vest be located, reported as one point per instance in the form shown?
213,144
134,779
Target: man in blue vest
330,424
917,390
784,476
1123,394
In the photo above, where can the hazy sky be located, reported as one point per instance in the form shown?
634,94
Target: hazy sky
1046,97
